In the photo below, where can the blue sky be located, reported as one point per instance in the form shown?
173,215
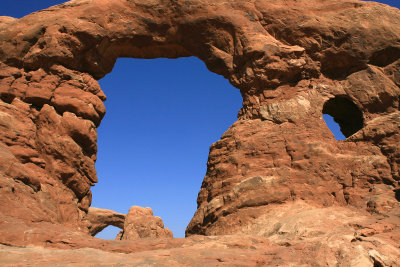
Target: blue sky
162,116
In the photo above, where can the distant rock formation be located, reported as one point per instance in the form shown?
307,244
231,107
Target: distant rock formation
98,219
138,223
277,174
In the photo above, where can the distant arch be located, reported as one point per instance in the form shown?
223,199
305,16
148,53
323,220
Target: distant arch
110,232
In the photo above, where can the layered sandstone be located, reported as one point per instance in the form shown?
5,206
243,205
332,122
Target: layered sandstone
277,173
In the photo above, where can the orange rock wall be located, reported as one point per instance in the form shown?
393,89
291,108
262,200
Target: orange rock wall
288,58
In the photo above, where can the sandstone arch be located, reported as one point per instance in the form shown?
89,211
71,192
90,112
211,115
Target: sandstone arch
138,223
287,58
99,219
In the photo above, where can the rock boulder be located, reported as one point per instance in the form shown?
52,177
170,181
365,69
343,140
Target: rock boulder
140,223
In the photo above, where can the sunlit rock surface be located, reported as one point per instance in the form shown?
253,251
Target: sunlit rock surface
99,219
277,174
138,223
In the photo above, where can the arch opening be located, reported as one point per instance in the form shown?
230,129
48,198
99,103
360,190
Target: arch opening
153,143
345,113
109,232
333,126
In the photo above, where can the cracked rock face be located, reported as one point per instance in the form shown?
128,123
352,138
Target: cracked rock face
274,169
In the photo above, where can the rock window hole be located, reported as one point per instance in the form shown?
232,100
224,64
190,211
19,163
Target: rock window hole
334,127
110,232
153,143
342,117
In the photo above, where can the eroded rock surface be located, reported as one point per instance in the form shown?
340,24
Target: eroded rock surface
98,219
276,168
140,223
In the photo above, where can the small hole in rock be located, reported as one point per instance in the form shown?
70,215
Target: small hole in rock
334,127
38,107
7,98
344,113
397,194
110,232
377,263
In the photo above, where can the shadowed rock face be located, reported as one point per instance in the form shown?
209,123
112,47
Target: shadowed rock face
275,173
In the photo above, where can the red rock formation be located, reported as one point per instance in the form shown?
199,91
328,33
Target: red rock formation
98,219
277,172
140,223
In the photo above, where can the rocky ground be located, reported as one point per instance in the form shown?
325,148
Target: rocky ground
348,250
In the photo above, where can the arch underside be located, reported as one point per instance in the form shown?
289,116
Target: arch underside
278,158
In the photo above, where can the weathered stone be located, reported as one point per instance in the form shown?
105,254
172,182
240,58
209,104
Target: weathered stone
140,223
98,219
277,172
